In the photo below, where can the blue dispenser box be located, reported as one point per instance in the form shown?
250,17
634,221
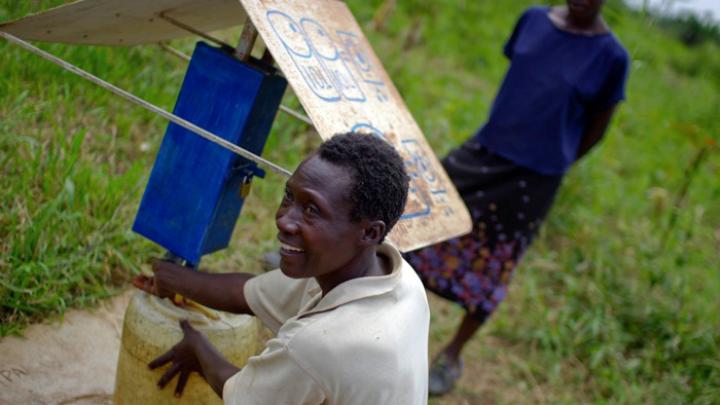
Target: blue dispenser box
195,192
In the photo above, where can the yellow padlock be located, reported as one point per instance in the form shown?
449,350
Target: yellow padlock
245,188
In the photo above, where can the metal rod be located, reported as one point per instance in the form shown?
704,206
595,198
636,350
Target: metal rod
171,117
173,51
188,28
302,117
247,40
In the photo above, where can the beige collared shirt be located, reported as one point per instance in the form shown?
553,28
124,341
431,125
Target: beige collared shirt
365,342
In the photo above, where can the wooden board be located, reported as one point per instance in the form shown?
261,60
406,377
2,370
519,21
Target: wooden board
342,86
124,22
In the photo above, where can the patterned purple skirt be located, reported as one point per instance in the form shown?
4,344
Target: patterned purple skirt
507,203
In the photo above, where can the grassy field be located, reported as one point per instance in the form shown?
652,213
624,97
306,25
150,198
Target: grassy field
616,302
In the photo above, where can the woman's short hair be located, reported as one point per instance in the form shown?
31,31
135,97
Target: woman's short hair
380,184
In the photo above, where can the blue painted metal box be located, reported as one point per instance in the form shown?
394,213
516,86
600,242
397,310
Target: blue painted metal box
193,197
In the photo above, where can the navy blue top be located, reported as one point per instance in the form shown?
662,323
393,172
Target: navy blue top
555,81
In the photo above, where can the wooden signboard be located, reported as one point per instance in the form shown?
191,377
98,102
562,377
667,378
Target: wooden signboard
342,86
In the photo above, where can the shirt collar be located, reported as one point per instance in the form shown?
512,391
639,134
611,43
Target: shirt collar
357,288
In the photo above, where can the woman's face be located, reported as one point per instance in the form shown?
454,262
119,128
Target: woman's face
584,9
317,236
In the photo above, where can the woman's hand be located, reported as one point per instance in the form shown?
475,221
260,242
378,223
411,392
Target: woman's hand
221,291
157,284
183,358
194,353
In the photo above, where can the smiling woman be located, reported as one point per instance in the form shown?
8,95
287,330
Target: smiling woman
341,294
347,195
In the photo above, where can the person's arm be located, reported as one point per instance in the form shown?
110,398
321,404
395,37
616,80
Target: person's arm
224,292
596,127
194,353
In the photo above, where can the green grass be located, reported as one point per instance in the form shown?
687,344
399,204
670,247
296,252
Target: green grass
616,301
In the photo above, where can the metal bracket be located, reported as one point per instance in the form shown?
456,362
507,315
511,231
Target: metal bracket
173,258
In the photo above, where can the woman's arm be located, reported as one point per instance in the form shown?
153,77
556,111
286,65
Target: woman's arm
224,292
596,127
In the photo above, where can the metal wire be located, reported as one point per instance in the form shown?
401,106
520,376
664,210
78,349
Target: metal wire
137,100
174,51
302,117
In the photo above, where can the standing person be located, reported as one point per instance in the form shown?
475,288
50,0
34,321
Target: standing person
567,73
351,316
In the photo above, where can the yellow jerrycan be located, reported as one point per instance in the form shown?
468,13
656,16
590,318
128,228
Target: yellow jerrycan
151,327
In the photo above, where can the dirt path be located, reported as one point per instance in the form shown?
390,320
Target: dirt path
68,361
